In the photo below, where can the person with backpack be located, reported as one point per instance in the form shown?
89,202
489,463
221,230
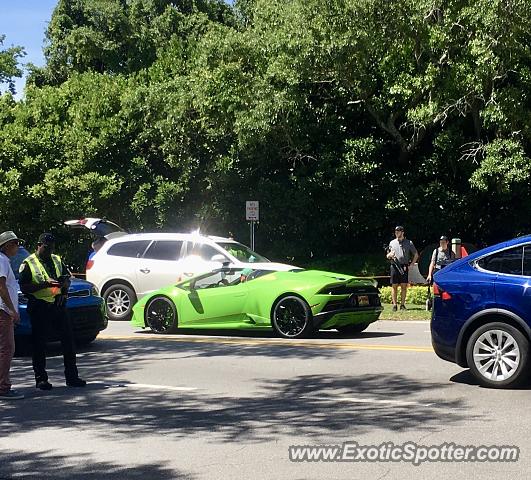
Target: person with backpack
440,257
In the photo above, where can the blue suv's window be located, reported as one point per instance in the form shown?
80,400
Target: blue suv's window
509,262
527,260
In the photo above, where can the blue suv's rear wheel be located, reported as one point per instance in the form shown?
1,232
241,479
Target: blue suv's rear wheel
498,355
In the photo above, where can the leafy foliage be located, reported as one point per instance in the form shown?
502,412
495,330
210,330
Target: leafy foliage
9,68
416,295
342,118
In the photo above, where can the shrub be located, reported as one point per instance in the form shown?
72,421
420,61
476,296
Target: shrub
415,295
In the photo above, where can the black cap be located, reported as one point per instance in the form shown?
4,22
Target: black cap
46,238
399,227
443,237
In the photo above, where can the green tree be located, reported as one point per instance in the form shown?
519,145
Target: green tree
9,64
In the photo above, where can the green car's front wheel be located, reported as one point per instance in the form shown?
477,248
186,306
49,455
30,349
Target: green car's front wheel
291,317
161,315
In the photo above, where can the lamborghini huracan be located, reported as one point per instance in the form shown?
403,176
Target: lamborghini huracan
294,304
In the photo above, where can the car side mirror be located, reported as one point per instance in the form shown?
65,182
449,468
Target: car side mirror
218,258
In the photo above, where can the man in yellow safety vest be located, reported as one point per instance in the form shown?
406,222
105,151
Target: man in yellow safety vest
44,279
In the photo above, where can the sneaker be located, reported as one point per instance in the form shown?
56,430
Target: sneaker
11,395
44,385
76,382
403,307
394,308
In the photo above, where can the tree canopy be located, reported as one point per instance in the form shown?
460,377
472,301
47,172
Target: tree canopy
342,118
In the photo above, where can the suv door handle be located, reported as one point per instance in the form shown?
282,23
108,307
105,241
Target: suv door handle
145,270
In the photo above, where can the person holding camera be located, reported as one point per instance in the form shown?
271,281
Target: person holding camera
45,280
440,257
402,253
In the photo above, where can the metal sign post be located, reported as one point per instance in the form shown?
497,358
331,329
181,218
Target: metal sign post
252,215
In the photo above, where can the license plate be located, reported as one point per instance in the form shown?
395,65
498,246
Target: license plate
363,300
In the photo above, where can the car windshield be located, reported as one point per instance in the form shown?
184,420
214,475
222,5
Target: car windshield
242,253
104,227
226,278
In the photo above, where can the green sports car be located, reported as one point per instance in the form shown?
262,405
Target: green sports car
295,303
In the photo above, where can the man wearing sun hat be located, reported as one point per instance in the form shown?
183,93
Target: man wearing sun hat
9,316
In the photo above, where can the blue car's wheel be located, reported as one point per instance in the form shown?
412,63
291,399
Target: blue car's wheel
291,317
498,355
161,315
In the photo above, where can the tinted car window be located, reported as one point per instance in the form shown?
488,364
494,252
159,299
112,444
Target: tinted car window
128,249
527,260
164,250
508,261
206,252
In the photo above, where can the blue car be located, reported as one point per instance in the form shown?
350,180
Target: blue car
85,307
481,317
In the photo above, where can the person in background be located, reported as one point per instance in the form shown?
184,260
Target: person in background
96,246
45,280
441,257
402,253
9,316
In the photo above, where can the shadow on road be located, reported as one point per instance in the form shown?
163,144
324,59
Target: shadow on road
466,377
309,405
17,464
331,334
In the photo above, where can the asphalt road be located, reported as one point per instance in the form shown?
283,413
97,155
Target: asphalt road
218,406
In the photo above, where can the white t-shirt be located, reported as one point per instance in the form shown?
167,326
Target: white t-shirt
11,282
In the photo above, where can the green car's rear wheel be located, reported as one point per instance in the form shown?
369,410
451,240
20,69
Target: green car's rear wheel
161,315
291,317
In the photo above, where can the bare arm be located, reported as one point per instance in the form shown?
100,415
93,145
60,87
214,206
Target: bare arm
4,295
430,273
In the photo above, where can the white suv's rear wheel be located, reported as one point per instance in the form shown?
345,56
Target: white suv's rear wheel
119,299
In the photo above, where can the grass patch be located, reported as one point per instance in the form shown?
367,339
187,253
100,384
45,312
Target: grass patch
413,312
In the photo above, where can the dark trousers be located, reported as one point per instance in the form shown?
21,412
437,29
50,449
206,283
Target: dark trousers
46,317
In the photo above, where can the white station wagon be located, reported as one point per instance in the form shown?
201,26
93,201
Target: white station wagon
129,266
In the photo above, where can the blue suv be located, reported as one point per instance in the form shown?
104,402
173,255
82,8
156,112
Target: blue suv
481,316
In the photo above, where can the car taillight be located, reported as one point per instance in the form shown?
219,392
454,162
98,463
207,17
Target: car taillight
438,291
89,264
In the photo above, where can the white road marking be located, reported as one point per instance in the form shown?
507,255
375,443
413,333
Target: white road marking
147,386
398,403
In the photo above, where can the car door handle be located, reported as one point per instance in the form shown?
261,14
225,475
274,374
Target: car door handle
240,295
145,270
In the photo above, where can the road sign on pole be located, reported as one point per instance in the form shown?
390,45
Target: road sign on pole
252,214
252,211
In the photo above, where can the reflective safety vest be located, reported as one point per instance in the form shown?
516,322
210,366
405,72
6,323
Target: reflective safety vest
39,275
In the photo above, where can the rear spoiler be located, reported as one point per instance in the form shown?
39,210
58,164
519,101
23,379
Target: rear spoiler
353,282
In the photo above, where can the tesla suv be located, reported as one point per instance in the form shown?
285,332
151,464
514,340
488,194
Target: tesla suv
481,316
